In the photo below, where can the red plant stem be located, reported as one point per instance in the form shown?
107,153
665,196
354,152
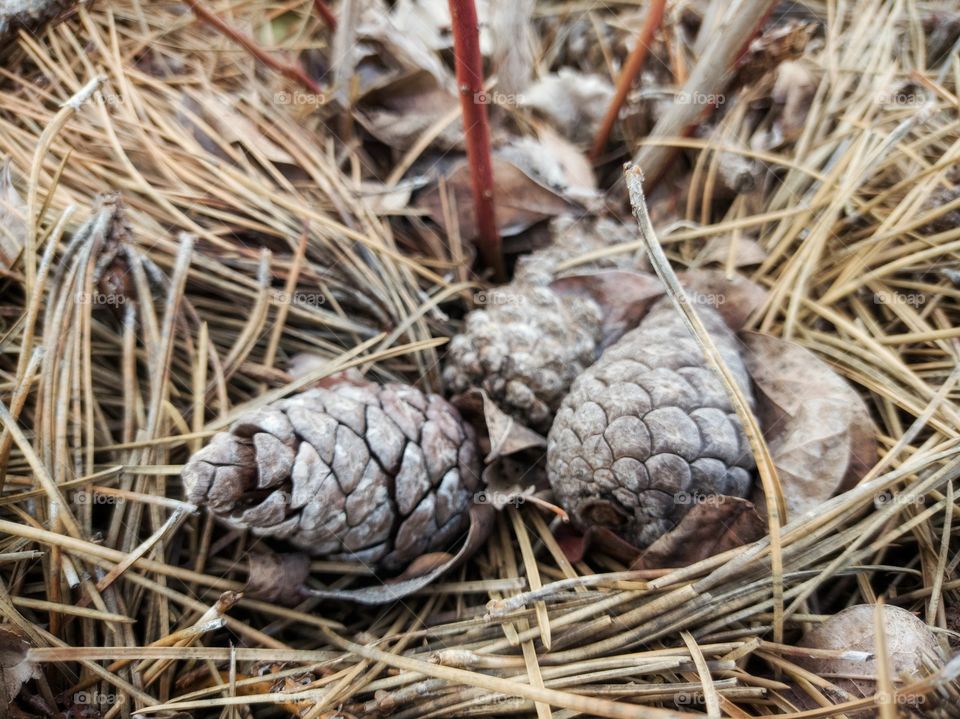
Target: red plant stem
324,11
293,72
469,67
630,70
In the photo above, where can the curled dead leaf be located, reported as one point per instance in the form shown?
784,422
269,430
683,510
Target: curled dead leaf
429,567
852,637
734,296
737,252
520,200
819,430
623,296
713,525
499,434
15,669
277,578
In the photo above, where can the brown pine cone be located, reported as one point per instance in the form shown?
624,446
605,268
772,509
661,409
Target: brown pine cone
359,471
648,430
527,344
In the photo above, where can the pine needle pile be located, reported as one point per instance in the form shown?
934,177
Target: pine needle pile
208,207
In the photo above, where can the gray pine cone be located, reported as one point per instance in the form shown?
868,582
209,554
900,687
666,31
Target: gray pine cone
360,471
648,429
527,344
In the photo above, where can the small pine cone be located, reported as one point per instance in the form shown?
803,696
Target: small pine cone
525,350
359,471
649,429
527,344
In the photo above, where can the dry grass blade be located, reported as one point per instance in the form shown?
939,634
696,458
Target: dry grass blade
198,222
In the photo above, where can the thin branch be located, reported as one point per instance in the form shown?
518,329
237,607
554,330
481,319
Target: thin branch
324,11
293,72
630,70
469,65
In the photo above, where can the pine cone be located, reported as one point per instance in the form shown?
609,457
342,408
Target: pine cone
359,471
649,429
528,344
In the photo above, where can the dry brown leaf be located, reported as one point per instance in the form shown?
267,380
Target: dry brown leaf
499,434
520,200
572,101
852,634
746,251
793,92
623,296
481,522
713,525
15,669
818,428
735,297
428,21
219,113
401,113
277,578
554,162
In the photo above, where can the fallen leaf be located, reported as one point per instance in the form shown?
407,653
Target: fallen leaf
734,297
277,578
481,522
501,434
424,564
852,635
520,201
623,296
388,52
746,251
819,430
554,162
428,21
204,111
401,113
793,92
15,669
711,526
572,101
574,543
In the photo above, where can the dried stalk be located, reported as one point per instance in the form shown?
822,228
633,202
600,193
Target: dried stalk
469,70
631,69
